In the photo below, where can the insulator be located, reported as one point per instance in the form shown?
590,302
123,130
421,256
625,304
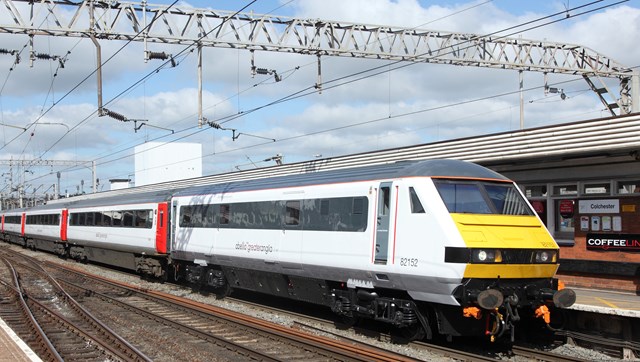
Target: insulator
262,71
116,115
5,51
44,56
156,55
214,125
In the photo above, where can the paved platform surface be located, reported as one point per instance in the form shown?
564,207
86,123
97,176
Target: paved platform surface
607,302
12,348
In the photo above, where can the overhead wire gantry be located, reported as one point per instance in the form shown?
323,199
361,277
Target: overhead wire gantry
116,20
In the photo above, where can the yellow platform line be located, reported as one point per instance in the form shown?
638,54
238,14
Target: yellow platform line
607,303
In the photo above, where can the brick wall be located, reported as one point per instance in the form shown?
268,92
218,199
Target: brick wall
624,284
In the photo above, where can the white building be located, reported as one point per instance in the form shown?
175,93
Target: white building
160,162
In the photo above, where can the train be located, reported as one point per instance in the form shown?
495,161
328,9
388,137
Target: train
433,248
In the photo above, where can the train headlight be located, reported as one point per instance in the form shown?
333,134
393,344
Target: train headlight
486,256
546,256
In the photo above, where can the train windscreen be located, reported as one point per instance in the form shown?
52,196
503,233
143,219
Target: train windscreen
479,197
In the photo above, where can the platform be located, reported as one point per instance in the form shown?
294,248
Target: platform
12,348
607,302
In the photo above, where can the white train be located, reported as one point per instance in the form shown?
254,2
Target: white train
437,246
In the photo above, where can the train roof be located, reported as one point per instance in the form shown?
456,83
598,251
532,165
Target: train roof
401,169
428,168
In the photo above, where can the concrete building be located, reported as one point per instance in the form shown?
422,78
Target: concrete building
157,162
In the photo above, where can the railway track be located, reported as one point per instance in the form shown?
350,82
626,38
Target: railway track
166,327
90,292
52,323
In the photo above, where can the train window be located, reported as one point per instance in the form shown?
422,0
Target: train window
416,205
144,219
82,218
127,218
463,197
106,218
385,197
91,221
358,205
185,216
482,198
209,216
56,219
225,214
324,207
197,216
292,213
507,200
116,218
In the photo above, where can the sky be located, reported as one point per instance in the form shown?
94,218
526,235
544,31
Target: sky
50,113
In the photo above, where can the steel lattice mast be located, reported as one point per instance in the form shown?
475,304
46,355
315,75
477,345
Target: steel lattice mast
111,20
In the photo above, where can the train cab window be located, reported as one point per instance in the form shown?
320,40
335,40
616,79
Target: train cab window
292,213
482,198
463,198
507,200
225,214
416,205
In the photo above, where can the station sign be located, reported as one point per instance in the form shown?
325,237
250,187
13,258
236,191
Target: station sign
613,242
611,206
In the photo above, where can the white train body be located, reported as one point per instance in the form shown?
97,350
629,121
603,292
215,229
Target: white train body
131,235
408,261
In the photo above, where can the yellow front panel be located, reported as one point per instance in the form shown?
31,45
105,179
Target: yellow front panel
503,232
509,271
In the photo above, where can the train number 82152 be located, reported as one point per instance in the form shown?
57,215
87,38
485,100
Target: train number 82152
412,262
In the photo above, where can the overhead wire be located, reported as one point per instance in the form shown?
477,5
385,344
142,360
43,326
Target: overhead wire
138,81
296,95
301,93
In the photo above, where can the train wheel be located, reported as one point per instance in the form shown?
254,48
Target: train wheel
223,291
346,322
414,332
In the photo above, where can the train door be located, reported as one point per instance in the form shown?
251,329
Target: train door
63,224
161,228
23,223
383,223
173,224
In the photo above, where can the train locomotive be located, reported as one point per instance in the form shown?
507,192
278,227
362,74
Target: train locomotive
435,247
